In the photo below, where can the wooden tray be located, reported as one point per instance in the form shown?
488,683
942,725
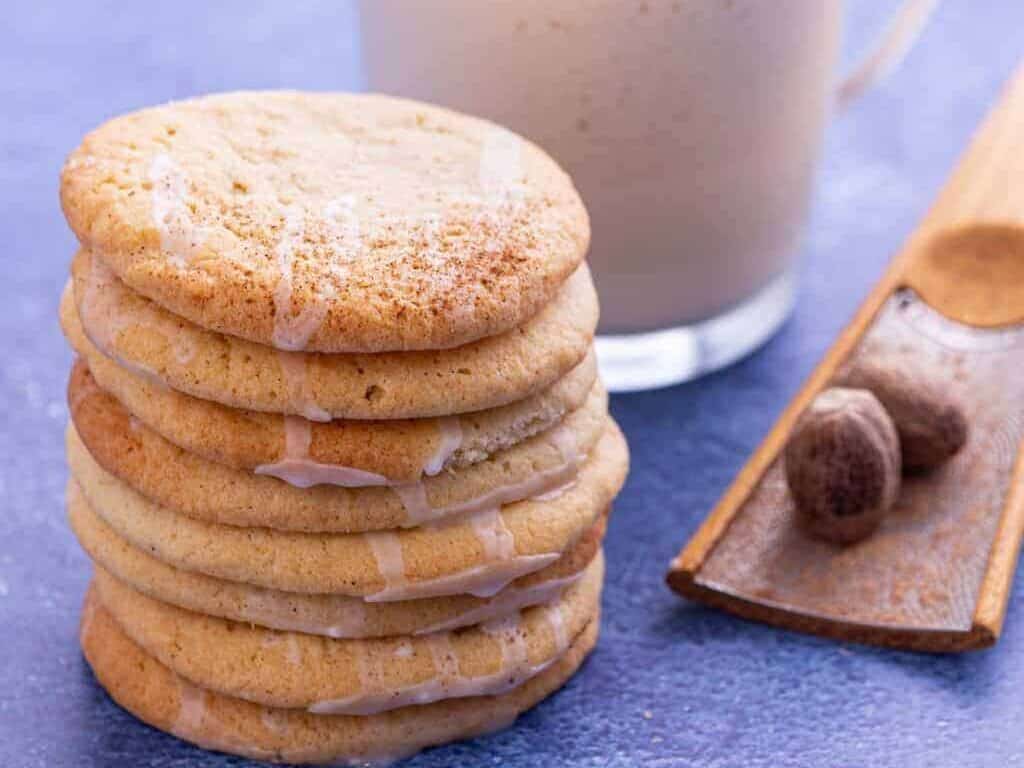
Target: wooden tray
937,575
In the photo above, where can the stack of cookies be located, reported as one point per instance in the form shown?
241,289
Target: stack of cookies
338,450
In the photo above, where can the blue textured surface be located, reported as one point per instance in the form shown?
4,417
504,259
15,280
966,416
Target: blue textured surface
671,683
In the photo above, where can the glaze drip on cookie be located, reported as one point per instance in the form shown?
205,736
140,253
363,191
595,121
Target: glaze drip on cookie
450,441
543,485
296,468
494,536
448,682
102,323
339,227
346,617
191,708
296,380
484,580
553,614
180,237
508,600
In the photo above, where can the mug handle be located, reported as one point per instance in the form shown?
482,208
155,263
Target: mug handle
893,44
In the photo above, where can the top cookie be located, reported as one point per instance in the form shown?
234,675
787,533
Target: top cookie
327,222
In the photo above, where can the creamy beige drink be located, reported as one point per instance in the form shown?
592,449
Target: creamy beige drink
690,127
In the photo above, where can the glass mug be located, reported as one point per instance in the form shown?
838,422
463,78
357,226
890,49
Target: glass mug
691,128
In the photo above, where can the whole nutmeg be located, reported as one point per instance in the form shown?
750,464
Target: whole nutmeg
931,425
843,465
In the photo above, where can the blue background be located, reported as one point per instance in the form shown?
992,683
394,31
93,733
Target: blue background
671,683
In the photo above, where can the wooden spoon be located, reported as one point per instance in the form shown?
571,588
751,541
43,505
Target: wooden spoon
937,575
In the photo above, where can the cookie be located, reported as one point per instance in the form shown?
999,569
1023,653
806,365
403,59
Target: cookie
328,222
352,677
478,554
154,694
212,492
398,450
337,616
495,371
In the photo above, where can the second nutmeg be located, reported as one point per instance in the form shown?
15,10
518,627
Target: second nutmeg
846,455
931,424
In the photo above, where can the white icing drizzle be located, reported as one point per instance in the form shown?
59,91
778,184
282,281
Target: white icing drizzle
484,580
515,655
451,440
565,440
180,238
344,618
404,650
292,331
296,468
509,600
553,614
494,536
191,709
387,551
417,507
480,581
142,371
101,321
447,682
341,230
184,348
353,623
502,564
446,663
296,380
556,492
540,486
